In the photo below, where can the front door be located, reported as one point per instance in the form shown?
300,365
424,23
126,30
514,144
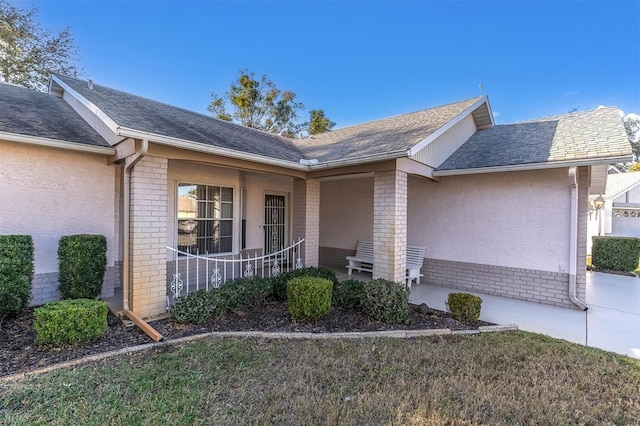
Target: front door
274,223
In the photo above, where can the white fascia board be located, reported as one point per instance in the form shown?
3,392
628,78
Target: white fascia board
208,149
448,125
112,125
531,166
629,188
393,155
56,143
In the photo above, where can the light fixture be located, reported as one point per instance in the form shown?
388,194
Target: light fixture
598,203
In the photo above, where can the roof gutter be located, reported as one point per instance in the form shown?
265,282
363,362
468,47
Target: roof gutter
129,163
349,161
533,166
208,149
573,249
56,143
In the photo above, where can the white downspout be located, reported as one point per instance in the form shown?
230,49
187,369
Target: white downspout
573,251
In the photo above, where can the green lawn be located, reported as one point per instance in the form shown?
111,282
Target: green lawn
495,378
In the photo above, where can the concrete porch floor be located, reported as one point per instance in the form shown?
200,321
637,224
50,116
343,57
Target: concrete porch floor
612,321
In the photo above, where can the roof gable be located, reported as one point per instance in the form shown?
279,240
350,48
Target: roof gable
30,113
619,183
392,137
134,112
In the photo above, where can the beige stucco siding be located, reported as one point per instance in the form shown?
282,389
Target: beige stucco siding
346,212
257,186
515,219
48,193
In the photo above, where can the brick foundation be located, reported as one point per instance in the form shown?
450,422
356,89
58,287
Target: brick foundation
551,288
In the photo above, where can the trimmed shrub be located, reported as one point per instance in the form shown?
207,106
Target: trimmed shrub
246,293
69,322
615,253
309,297
16,273
387,301
280,281
348,294
464,307
82,261
199,307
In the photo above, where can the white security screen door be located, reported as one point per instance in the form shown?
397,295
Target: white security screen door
274,223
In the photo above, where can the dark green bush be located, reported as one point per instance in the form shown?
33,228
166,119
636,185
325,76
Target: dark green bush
70,321
16,273
387,301
348,294
615,253
82,260
464,307
199,307
246,293
309,297
280,281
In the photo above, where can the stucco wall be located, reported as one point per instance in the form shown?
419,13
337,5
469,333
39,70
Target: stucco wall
346,212
48,193
257,187
513,219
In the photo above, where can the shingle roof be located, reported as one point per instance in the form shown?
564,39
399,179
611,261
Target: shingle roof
618,183
30,113
594,134
393,134
138,113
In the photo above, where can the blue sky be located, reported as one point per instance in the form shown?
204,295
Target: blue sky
364,60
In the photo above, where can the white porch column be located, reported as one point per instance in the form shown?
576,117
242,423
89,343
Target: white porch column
148,237
306,217
390,225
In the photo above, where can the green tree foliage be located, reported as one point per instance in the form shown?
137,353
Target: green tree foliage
318,122
259,104
30,53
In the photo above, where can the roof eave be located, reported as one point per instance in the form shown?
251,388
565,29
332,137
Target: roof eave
207,149
360,160
56,143
449,124
532,166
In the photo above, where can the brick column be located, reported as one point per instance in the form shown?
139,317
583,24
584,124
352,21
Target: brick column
583,218
148,233
390,225
306,217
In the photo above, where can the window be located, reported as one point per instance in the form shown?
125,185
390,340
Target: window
205,218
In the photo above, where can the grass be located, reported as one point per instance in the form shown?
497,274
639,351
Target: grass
495,378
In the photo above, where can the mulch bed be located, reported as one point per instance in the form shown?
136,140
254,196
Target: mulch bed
19,353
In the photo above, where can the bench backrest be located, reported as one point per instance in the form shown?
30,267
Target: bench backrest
415,256
365,250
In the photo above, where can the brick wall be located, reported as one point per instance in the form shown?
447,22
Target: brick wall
148,254
583,223
44,287
551,288
335,257
390,225
306,217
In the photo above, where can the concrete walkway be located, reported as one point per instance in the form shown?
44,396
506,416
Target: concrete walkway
612,322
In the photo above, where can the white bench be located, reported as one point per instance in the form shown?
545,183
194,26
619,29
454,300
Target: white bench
363,260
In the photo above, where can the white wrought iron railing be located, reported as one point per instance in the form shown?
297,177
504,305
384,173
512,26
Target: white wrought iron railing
188,272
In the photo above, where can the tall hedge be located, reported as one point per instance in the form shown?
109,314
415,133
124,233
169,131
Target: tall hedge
82,261
615,253
16,273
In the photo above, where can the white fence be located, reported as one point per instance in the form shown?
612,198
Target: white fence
189,272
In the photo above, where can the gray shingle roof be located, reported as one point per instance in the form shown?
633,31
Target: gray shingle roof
393,134
138,113
586,135
30,113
